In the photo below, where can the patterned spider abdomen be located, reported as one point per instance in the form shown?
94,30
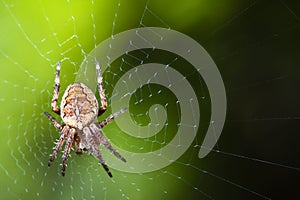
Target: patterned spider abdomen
79,106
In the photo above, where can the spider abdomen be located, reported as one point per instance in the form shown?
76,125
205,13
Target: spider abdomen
79,106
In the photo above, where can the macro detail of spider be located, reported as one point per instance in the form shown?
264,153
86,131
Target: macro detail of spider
79,110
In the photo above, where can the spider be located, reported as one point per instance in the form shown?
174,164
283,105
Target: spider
79,110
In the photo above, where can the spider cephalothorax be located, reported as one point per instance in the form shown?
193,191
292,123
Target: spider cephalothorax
79,110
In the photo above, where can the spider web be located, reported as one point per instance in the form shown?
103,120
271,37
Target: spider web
255,45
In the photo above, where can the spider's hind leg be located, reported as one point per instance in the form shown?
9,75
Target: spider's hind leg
54,106
103,100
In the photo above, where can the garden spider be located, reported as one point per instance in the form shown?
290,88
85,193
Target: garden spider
79,110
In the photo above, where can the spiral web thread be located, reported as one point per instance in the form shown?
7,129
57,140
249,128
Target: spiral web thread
27,136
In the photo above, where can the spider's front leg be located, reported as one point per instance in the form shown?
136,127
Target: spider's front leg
54,106
102,140
59,144
70,140
93,148
103,100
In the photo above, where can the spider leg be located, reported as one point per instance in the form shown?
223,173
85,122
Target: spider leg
103,100
105,142
59,144
94,149
66,153
95,152
111,117
54,106
54,121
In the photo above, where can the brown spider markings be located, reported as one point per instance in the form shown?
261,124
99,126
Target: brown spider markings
79,110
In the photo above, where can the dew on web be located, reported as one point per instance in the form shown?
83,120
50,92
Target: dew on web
170,101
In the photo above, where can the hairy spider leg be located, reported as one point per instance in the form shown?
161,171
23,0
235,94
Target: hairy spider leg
103,100
59,143
111,117
94,150
54,121
54,106
105,142
67,150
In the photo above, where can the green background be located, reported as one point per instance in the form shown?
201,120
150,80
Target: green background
255,45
